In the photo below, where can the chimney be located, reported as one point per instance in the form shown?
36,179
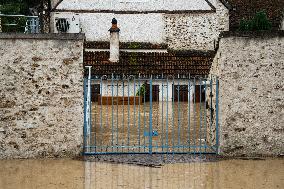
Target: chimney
114,42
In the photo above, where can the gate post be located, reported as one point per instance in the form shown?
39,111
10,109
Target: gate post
150,118
85,117
88,112
217,115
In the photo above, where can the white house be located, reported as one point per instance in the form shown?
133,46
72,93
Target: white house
181,24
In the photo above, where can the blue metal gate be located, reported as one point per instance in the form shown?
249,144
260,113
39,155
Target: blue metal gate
150,114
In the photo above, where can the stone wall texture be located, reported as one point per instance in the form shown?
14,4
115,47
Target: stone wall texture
196,31
41,96
251,73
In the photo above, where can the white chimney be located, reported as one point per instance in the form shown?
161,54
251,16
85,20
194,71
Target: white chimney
114,42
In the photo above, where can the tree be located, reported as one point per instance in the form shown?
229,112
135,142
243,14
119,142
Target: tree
20,7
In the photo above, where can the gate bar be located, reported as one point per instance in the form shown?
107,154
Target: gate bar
151,121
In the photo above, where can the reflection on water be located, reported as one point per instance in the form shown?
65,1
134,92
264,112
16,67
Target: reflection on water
61,174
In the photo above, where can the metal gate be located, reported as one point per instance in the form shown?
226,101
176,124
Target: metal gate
126,117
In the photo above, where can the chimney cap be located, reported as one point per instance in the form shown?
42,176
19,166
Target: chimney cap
114,21
114,27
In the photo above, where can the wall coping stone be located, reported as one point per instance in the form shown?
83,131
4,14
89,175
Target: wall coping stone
136,12
124,45
252,34
49,36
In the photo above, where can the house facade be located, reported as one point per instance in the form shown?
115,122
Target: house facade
181,25
177,25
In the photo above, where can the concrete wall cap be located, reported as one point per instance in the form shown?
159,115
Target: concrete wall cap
51,36
252,34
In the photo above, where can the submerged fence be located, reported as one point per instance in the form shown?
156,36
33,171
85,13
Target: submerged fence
150,114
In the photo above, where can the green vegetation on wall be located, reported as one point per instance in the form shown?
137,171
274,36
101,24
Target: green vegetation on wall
257,23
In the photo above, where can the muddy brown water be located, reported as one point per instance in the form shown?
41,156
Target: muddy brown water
176,124
73,174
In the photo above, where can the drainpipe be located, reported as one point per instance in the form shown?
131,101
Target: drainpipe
114,42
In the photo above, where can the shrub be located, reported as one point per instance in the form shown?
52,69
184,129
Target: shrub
142,90
257,23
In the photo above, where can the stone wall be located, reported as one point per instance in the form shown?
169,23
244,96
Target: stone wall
41,90
196,31
250,67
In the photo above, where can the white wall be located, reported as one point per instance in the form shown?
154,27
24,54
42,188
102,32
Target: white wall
134,27
165,89
119,88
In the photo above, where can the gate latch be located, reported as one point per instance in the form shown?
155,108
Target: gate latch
154,133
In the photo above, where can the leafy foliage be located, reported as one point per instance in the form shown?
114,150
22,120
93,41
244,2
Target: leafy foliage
13,24
257,23
15,7
134,45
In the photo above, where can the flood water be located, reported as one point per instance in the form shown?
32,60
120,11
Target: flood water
73,174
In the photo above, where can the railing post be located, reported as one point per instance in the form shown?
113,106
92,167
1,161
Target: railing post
150,118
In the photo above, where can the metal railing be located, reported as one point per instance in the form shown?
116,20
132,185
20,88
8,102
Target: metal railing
138,114
19,23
